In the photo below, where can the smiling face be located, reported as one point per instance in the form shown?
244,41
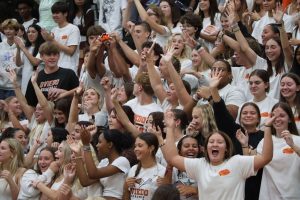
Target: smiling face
21,137
273,50
288,88
197,120
50,60
281,122
196,58
103,147
15,106
268,5
142,150
59,17
76,132
60,116
225,23
59,154
122,97
91,96
172,94
257,86
267,34
204,5
189,148
216,148
249,116
113,121
32,34
5,152
44,160
39,114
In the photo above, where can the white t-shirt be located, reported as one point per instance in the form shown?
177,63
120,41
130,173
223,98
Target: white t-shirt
265,106
141,112
100,118
232,96
223,182
113,185
259,25
241,76
68,36
275,82
146,186
27,191
182,178
206,22
281,177
110,14
162,40
27,70
28,23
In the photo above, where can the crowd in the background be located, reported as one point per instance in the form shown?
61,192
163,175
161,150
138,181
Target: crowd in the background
150,99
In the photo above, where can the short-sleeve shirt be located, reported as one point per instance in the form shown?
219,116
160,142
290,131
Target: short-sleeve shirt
224,181
63,79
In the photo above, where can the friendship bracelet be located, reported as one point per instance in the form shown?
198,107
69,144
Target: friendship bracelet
86,148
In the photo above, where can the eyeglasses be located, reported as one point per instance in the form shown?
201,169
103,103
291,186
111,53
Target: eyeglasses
255,82
218,69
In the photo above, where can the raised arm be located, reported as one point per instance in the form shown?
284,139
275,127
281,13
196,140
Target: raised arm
154,77
287,50
20,46
27,109
133,56
160,29
92,171
260,160
183,95
123,118
244,46
70,50
95,64
48,111
168,148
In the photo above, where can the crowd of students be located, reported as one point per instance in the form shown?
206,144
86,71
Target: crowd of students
153,99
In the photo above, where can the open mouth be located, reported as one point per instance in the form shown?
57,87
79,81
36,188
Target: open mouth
191,155
215,152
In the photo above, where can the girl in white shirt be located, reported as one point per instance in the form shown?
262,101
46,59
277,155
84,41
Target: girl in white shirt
259,86
219,175
142,178
290,93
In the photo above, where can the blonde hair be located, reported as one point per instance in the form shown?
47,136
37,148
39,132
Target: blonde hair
11,24
203,65
17,160
208,119
186,52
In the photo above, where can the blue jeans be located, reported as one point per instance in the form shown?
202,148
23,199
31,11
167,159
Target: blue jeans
6,93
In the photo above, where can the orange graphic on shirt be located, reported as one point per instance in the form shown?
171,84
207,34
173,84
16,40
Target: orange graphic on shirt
264,114
64,37
288,150
224,172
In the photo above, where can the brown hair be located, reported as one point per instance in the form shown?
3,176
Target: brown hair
48,48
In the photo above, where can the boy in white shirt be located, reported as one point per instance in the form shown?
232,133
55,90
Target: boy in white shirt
66,36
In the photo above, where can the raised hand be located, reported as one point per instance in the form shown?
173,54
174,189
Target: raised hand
130,26
106,83
80,89
34,77
69,173
46,35
278,13
85,136
6,175
215,79
186,190
156,131
92,129
191,130
12,76
74,145
287,136
242,138
211,30
169,119
19,43
167,57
